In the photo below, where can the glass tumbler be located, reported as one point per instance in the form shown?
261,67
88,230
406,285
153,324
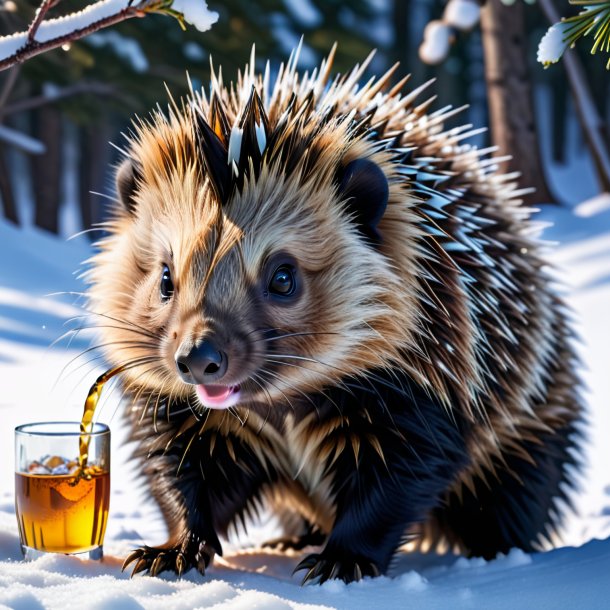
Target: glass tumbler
61,505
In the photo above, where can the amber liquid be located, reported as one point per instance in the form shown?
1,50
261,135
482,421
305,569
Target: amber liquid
86,424
62,513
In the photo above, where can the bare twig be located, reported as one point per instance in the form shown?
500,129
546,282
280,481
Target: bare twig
590,120
41,12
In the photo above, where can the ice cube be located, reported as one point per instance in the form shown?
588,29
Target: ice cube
61,469
37,468
40,469
54,461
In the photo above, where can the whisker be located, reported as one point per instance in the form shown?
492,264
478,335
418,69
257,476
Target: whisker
146,405
333,382
235,414
105,196
158,369
276,387
128,323
294,388
99,326
299,334
368,376
193,409
125,344
269,402
85,231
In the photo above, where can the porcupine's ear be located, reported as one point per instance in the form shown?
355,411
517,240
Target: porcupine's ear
128,179
364,188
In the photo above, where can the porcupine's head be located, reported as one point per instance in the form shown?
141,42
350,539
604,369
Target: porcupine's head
263,248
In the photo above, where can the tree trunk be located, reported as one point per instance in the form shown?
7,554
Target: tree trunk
511,111
95,155
47,168
6,192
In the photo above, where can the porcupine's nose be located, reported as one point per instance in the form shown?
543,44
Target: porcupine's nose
203,364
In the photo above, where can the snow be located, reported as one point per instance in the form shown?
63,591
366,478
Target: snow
553,44
9,45
56,28
462,14
435,47
196,13
42,382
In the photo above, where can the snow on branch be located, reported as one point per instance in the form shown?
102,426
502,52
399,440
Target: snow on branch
45,34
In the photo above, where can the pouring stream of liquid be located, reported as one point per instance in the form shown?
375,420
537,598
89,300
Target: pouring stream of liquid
86,424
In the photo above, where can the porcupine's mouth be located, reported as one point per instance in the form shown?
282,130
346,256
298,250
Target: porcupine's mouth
218,396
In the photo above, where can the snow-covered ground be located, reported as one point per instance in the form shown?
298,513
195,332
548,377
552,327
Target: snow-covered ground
41,382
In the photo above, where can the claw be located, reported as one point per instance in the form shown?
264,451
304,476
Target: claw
156,564
335,571
139,567
307,563
321,568
177,558
202,564
131,557
180,564
309,577
314,566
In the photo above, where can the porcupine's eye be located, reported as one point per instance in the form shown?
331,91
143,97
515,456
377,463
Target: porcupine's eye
283,281
167,286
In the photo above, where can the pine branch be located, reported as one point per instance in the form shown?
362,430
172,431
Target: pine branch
590,121
594,20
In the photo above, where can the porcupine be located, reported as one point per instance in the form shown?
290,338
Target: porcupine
329,303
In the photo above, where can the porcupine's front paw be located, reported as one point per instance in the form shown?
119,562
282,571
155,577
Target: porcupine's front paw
326,566
192,553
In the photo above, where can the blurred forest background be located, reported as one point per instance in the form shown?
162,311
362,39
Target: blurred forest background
60,110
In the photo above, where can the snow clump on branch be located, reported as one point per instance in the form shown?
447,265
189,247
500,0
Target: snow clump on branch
553,44
45,34
196,13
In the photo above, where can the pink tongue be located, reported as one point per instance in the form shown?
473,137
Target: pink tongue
214,393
